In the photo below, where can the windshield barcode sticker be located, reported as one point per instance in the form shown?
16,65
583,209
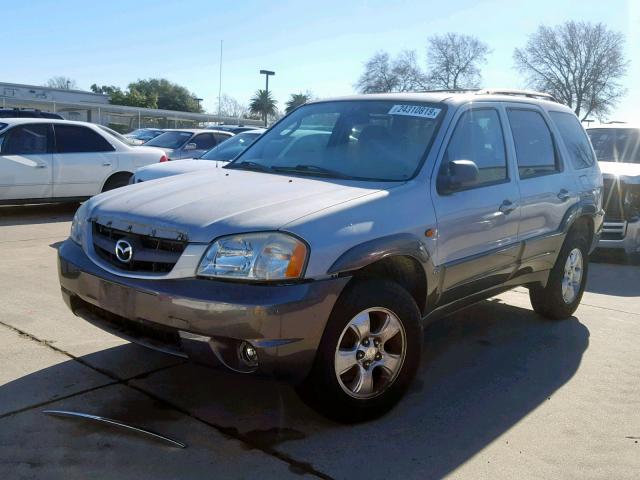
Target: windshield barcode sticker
415,111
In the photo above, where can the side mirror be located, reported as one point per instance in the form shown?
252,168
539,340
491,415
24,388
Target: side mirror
461,173
190,146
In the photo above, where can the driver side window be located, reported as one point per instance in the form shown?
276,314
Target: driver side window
478,137
25,140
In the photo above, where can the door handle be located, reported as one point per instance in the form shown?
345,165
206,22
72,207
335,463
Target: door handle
564,195
507,207
106,164
41,165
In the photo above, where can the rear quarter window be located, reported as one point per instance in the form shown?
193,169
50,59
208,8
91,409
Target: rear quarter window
574,138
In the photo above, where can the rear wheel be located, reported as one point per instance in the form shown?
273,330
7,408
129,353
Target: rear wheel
369,353
567,280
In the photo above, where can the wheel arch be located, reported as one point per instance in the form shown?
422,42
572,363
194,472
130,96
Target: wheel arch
115,176
402,258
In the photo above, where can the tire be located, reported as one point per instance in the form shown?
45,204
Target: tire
116,181
550,301
384,304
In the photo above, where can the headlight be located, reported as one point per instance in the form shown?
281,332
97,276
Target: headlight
78,224
255,256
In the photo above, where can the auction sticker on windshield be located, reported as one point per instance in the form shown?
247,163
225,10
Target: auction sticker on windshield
415,111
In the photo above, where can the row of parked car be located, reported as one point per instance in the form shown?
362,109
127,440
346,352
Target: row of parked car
44,158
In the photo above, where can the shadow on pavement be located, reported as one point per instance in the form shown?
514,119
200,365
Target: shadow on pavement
484,369
37,214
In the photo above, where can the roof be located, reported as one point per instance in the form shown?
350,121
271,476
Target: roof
457,98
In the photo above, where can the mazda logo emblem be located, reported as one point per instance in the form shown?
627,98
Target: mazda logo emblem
124,251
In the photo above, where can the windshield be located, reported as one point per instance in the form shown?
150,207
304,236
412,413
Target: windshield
144,134
229,149
616,144
364,140
169,140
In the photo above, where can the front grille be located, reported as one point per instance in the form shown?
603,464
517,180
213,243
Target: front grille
612,202
150,254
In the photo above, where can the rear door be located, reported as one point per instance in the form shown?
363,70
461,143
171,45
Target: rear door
26,162
82,161
546,187
477,223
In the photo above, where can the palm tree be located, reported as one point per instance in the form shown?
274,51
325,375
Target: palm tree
264,104
295,100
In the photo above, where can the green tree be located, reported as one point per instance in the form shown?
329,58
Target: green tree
170,96
295,100
131,97
152,93
263,103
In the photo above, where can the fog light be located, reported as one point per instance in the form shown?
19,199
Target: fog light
248,354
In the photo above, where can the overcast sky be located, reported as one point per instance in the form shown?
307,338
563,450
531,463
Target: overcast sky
317,46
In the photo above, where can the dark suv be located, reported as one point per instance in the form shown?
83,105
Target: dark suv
27,113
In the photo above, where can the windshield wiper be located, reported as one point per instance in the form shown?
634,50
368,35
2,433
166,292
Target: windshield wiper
249,165
312,169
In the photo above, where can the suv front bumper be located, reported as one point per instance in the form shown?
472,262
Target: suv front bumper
204,320
621,235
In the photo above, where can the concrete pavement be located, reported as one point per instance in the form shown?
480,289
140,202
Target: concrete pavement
501,393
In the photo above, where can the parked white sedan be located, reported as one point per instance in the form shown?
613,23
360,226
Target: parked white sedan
216,157
43,160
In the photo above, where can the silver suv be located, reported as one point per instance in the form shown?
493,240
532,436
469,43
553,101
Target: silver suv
319,254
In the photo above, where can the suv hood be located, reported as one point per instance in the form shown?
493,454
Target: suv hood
207,204
627,172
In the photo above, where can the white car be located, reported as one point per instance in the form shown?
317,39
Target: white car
43,160
216,157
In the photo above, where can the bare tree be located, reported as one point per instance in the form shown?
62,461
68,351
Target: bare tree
579,63
230,107
61,82
453,61
383,74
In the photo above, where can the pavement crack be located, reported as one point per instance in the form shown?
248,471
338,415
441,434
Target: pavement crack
295,465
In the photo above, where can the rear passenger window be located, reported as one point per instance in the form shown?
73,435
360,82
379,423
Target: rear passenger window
25,140
574,138
77,139
478,137
535,149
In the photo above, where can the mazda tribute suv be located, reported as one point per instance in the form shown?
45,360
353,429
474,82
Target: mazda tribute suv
320,252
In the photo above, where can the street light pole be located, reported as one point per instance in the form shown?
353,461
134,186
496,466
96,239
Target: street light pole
266,74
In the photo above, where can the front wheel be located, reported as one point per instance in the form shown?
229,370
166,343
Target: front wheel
368,355
567,280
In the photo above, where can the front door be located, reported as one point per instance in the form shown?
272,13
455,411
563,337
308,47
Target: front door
26,162
477,242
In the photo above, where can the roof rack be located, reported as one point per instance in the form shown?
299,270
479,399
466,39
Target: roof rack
518,93
451,90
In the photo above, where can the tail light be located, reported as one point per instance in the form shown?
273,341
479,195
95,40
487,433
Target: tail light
163,158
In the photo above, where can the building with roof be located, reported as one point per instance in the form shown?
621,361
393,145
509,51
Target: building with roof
95,107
